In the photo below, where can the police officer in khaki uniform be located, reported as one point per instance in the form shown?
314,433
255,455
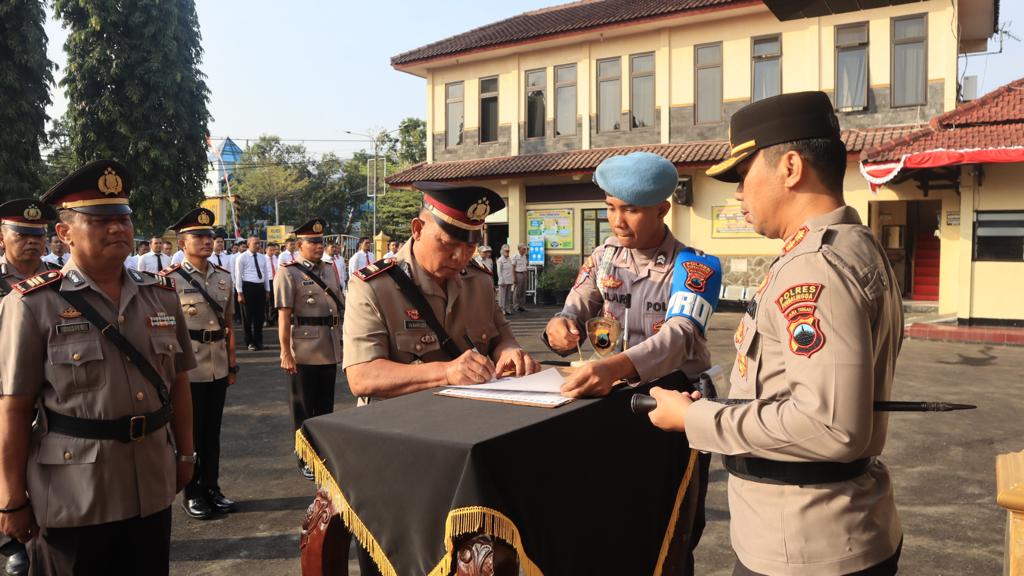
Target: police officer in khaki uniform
205,292
90,488
396,305
23,224
390,347
634,277
310,306
816,348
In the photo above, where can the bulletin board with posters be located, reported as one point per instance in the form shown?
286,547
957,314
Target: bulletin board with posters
728,222
555,226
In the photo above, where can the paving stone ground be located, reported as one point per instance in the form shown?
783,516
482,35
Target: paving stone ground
943,464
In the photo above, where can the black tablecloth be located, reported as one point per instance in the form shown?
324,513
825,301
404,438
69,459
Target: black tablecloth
586,488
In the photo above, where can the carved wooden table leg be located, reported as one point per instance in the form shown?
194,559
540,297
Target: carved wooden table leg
480,555
324,541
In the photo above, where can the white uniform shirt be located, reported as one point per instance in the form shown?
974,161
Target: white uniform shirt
285,257
506,271
245,269
153,262
178,257
57,260
222,259
520,262
131,262
358,261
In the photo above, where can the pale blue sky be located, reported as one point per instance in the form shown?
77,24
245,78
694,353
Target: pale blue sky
312,69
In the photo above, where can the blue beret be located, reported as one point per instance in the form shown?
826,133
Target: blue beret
640,178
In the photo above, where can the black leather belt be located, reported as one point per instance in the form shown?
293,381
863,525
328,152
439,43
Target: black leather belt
317,320
794,473
123,429
206,335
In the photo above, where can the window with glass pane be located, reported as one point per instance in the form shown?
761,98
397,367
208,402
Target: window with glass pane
595,228
999,236
767,63
489,109
565,100
909,66
641,108
609,94
454,117
708,61
535,103
852,67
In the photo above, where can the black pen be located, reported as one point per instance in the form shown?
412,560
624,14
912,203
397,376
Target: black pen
470,342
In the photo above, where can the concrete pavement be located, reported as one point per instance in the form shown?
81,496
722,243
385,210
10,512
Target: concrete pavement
943,464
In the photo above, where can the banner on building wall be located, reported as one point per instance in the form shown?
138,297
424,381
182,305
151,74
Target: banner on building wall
728,222
554,226
536,253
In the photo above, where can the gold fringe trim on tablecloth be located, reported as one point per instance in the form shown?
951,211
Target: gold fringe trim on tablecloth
666,542
473,519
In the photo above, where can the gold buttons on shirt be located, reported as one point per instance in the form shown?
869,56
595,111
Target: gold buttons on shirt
211,322
310,300
140,396
120,319
419,347
67,455
192,311
483,336
170,346
76,356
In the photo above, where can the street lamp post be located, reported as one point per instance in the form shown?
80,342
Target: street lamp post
372,193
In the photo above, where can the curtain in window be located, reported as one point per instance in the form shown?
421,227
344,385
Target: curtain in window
535,107
455,121
851,79
643,102
610,104
909,77
709,95
766,79
565,123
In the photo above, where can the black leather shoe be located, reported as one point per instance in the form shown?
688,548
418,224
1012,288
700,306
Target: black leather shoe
17,563
197,508
220,502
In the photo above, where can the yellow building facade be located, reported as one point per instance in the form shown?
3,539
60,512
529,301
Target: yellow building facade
530,116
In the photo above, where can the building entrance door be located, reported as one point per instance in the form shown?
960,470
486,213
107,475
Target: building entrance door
908,231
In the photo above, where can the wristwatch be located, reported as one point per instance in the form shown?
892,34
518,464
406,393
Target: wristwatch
188,458
233,369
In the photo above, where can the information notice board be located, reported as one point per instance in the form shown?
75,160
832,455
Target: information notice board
555,226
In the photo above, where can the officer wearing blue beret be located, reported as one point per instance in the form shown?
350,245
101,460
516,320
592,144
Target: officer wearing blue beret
659,291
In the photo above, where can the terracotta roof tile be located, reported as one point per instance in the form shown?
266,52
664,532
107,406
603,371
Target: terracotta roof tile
996,120
572,17
585,161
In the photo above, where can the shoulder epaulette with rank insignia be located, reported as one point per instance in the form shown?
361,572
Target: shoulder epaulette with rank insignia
375,269
38,281
169,270
166,283
289,263
221,268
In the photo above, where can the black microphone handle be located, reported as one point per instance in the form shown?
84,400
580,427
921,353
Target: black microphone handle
642,403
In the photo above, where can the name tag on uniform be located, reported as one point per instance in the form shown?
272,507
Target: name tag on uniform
162,321
191,290
308,282
415,324
73,328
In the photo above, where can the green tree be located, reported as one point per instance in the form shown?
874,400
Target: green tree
395,210
412,142
136,94
332,194
25,78
271,172
59,160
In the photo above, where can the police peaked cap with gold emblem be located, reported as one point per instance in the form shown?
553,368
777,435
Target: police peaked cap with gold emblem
460,210
100,187
776,120
27,216
313,229
198,222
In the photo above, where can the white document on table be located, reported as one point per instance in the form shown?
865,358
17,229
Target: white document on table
538,389
544,381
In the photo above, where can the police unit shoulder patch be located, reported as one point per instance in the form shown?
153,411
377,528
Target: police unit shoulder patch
696,280
36,282
798,304
375,269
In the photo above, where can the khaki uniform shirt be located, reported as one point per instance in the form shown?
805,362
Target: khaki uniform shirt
311,345
381,323
211,357
50,352
12,276
821,339
637,285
